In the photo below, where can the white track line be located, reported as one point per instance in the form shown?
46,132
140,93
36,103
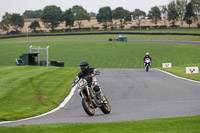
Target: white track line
177,76
59,107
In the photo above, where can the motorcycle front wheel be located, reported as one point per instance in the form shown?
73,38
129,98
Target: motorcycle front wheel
87,106
105,108
147,68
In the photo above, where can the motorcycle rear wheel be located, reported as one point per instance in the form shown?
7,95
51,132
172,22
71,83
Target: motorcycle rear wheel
87,106
105,108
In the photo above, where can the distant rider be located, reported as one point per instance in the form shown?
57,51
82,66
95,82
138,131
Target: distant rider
86,73
145,57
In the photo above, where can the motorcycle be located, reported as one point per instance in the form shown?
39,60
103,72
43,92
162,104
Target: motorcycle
147,63
90,99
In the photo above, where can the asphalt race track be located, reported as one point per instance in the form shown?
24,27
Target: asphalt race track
156,41
134,95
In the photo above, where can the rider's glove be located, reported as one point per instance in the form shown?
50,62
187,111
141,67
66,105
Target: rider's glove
96,72
75,81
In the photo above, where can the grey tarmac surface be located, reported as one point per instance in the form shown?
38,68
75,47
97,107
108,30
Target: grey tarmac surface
156,41
167,41
134,95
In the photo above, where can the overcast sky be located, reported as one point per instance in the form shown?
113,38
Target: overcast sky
19,6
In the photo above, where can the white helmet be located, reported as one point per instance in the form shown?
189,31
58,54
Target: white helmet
147,53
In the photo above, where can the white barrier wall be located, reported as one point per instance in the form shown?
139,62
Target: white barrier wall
166,65
192,70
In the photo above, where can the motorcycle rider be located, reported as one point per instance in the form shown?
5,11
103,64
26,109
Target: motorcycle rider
145,57
86,73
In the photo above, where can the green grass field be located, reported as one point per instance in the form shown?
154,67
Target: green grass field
102,53
101,37
181,72
167,125
34,90
169,30
176,30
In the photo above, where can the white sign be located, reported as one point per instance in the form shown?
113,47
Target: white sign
166,65
191,70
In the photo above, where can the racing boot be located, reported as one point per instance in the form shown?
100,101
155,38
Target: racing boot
100,95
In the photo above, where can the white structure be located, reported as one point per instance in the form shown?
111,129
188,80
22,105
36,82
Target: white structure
166,65
38,51
192,70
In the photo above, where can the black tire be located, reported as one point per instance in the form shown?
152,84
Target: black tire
147,68
105,108
87,106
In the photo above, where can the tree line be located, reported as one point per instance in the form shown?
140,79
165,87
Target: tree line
52,16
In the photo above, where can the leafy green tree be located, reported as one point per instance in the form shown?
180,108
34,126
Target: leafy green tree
172,13
164,12
51,17
4,27
122,15
154,14
196,8
32,14
69,18
104,16
16,21
35,24
5,23
138,15
80,14
127,16
189,14
181,9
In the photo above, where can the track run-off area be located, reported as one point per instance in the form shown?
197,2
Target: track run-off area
134,94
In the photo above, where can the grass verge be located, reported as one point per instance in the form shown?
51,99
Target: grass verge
32,90
165,125
149,30
181,71
102,38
